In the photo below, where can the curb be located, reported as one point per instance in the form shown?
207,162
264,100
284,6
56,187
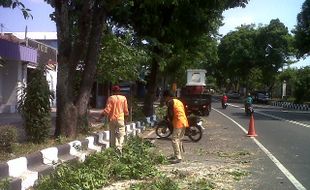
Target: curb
288,105
23,172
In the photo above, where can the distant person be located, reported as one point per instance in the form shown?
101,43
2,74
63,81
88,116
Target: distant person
224,98
116,110
176,115
249,99
248,104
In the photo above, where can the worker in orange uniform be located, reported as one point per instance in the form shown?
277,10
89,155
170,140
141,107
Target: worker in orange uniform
116,110
176,115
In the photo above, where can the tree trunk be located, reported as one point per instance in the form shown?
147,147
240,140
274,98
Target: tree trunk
66,111
92,57
151,89
75,47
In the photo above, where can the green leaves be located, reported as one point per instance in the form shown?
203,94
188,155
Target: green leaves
137,161
120,59
302,30
158,183
249,51
302,85
4,184
16,3
173,29
8,136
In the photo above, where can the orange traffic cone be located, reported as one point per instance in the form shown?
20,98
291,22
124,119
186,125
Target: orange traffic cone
251,131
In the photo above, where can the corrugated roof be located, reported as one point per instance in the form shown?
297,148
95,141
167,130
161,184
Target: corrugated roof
11,38
36,35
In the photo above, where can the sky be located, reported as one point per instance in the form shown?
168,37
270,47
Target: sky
256,11
13,19
261,12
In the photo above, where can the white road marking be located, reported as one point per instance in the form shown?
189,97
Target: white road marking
290,176
232,105
276,117
280,118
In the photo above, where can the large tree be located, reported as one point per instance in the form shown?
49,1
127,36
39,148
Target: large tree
201,55
302,30
169,27
80,27
274,50
249,54
237,54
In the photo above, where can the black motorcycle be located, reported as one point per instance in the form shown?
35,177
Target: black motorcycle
248,108
164,128
224,105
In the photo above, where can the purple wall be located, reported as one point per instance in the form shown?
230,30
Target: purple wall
14,51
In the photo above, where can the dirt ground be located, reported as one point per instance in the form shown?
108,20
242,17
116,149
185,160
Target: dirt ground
222,157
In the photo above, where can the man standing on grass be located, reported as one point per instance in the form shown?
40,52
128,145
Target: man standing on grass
116,110
176,115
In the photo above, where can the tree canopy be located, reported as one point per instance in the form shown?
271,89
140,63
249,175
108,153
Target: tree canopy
120,58
170,28
302,85
302,30
252,54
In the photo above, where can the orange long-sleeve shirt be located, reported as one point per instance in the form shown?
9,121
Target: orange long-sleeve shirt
116,108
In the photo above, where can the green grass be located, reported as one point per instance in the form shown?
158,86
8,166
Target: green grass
238,174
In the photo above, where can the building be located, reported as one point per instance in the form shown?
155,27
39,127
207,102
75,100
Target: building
46,45
16,67
15,60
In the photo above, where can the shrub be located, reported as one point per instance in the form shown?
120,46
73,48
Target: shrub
137,111
8,136
4,184
302,85
161,112
34,107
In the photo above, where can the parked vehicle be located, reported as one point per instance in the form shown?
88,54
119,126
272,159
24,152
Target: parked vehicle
261,97
194,131
233,95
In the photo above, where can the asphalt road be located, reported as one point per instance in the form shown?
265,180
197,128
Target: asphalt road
285,134
285,166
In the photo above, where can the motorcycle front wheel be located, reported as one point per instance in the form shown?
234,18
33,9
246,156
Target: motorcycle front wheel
163,131
194,133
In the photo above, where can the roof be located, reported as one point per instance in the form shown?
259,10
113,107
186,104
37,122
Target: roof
14,51
36,35
11,38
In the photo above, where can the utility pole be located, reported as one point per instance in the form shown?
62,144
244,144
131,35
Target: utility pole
1,26
26,30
